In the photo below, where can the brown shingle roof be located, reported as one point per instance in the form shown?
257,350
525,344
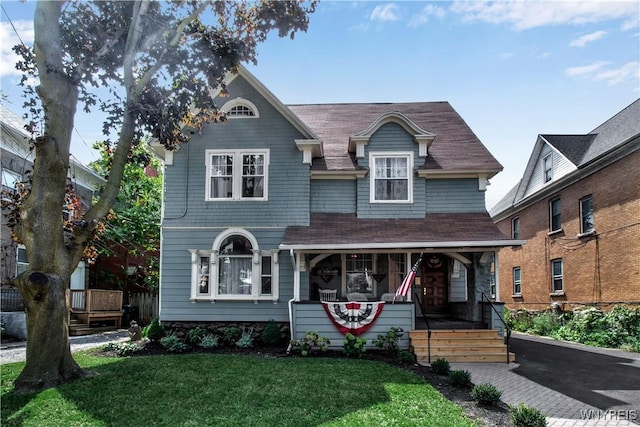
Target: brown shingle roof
455,147
332,230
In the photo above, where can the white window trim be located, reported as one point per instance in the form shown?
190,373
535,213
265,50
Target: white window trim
240,102
551,229
372,179
560,276
518,282
584,232
256,271
236,175
515,221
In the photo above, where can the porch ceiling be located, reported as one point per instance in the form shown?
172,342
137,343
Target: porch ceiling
346,231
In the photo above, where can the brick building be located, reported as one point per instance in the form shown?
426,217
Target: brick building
578,207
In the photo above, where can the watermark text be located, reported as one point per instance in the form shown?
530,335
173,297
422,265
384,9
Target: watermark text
609,414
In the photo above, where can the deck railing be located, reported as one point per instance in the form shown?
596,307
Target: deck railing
90,300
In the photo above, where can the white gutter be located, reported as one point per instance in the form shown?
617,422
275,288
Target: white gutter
404,245
296,293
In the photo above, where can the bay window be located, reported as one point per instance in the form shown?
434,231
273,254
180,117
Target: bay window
235,269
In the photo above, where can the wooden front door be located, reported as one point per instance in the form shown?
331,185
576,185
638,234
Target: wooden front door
434,284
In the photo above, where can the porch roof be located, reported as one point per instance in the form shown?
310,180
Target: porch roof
347,232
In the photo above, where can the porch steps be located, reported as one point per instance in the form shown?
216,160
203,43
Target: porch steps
460,345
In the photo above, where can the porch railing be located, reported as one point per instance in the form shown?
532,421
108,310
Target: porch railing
506,327
426,321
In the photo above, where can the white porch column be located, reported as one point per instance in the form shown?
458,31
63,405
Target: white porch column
296,260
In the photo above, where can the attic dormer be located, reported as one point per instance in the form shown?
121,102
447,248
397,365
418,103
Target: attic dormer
423,138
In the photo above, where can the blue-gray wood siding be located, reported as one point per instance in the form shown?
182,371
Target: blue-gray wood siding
333,196
453,195
312,317
175,303
393,138
288,177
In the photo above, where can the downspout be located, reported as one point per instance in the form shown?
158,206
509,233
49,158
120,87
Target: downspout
296,285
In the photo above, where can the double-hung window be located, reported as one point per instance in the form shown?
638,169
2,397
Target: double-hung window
547,168
557,284
586,215
515,228
391,180
237,175
517,281
555,215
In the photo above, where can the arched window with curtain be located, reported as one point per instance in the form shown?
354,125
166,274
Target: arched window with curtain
235,272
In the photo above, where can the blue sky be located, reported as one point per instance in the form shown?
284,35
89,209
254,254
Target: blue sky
512,69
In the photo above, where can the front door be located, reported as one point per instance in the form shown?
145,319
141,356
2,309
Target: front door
434,283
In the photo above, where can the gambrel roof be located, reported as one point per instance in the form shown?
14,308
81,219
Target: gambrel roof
579,152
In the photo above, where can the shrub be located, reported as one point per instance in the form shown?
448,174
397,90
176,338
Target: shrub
271,333
194,336
174,344
154,330
232,334
441,366
389,341
354,346
310,343
123,349
524,416
209,341
246,339
486,394
406,356
545,324
460,378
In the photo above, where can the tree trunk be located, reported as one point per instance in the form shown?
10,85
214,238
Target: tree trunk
49,361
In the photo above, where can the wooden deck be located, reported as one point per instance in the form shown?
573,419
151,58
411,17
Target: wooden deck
94,308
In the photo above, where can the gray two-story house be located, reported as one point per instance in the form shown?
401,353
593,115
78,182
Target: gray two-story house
284,206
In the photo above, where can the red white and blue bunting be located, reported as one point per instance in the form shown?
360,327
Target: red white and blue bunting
352,316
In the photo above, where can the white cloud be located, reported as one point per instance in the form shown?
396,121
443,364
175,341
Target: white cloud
8,39
425,14
598,71
585,69
630,70
507,55
587,38
527,14
385,13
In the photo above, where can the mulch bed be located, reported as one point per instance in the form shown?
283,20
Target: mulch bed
497,415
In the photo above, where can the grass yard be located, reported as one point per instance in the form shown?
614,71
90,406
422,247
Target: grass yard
231,390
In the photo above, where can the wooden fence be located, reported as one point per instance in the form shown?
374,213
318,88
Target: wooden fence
147,306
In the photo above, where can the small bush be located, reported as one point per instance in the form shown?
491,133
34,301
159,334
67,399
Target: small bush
486,394
271,333
195,335
441,366
154,330
246,339
406,356
232,334
354,346
310,343
174,344
460,378
389,341
123,349
524,416
209,341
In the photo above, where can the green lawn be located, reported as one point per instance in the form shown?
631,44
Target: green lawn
231,390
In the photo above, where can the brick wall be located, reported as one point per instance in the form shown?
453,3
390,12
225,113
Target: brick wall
603,268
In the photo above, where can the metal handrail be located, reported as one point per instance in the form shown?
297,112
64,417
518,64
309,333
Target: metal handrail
424,316
507,328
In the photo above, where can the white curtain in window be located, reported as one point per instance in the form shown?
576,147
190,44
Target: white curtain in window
235,276
391,178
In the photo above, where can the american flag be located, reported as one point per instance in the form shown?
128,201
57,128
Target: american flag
403,290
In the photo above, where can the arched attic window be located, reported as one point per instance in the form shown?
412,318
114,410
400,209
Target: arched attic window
240,108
